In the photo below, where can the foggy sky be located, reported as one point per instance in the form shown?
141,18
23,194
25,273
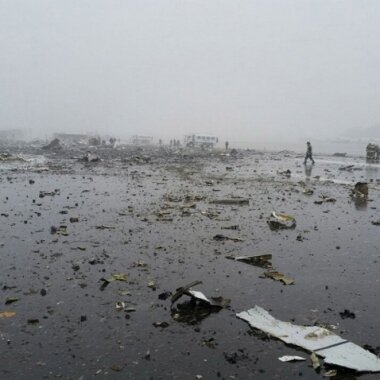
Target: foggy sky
245,70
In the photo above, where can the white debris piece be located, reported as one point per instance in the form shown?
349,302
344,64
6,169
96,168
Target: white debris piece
334,349
199,295
289,358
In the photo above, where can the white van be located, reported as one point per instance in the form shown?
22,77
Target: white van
204,141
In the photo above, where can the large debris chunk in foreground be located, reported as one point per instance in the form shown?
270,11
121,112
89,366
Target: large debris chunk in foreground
334,349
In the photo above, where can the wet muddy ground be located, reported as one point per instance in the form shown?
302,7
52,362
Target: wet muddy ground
154,222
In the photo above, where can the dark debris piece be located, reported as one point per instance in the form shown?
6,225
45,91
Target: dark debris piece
164,295
262,261
347,314
235,356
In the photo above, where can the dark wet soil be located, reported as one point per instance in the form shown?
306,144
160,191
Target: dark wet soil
133,217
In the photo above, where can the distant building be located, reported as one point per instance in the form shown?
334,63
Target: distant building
141,140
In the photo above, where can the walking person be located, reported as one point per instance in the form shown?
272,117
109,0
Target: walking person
309,153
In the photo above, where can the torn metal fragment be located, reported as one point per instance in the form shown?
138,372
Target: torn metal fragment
262,261
281,221
161,324
152,285
331,373
102,227
198,307
278,276
120,305
118,277
283,217
314,360
290,358
212,301
231,201
324,343
220,237
7,314
324,199
181,291
114,277
10,300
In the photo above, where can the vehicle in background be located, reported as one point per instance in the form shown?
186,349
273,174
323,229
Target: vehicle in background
373,151
199,140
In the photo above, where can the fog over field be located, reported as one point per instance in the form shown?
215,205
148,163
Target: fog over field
249,71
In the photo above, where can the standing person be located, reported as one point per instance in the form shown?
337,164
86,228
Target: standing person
226,144
309,153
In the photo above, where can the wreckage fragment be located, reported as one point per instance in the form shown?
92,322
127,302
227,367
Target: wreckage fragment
220,237
199,306
115,277
212,301
288,358
324,199
120,305
33,321
331,373
195,294
118,277
283,217
314,360
262,261
44,194
10,300
324,343
281,221
233,227
287,173
102,227
360,191
7,314
161,324
231,201
278,276
181,291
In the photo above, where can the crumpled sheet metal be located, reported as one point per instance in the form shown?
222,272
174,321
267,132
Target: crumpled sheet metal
334,349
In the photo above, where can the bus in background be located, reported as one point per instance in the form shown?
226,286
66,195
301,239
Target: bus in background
199,140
